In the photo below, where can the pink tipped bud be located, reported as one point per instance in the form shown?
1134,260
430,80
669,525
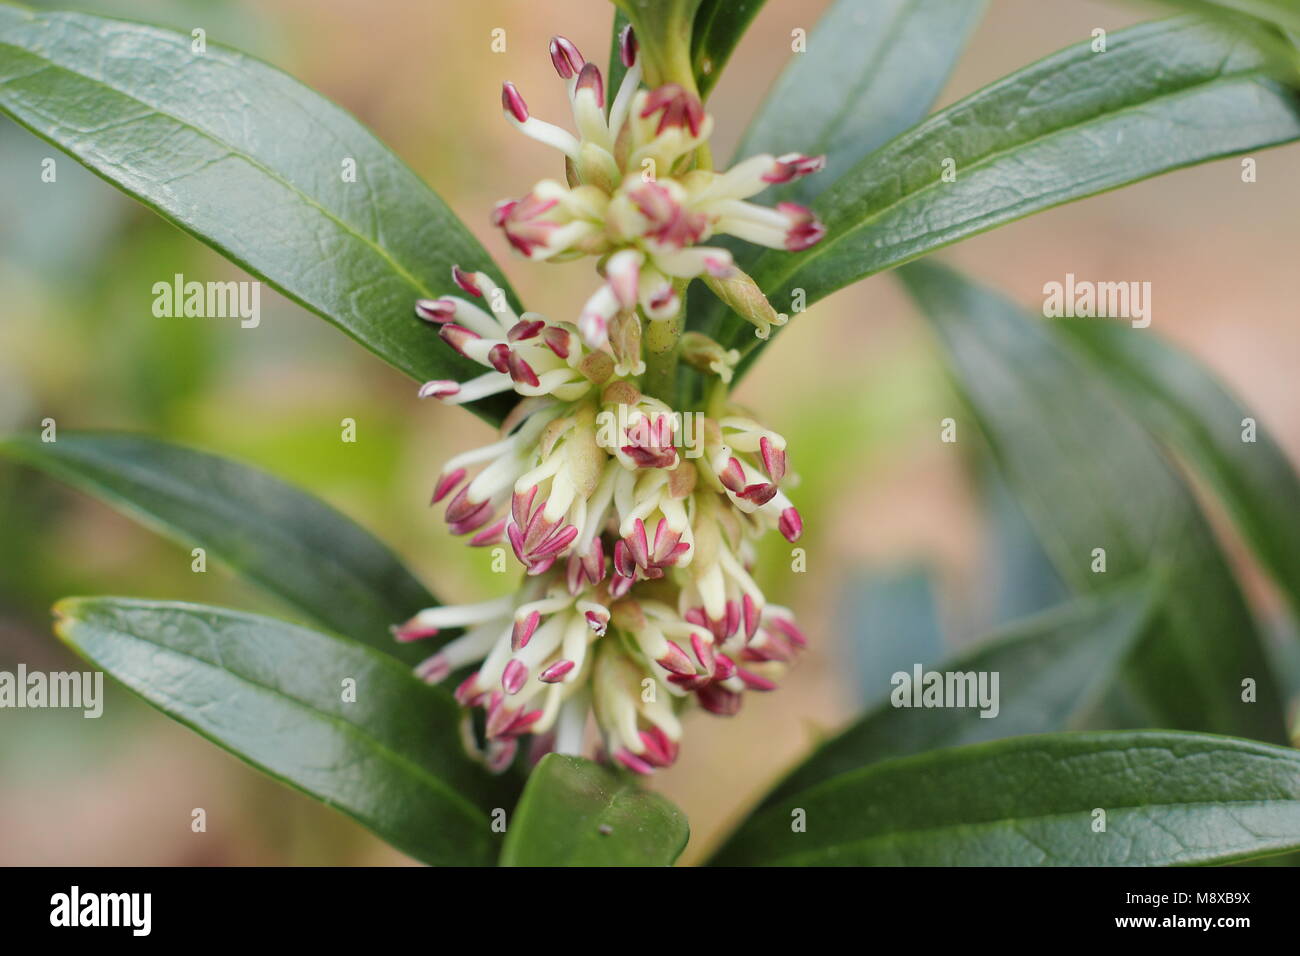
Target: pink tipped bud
499,358
755,681
565,57
676,661
523,631
805,229
513,103
733,476
446,484
435,310
597,621
591,80
438,389
457,336
489,535
790,525
521,371
433,670
679,108
555,673
468,693
412,630
624,562
628,46
793,166
633,762
774,460
467,281
525,329
557,340
500,755
750,614
703,653
501,212
514,677
724,669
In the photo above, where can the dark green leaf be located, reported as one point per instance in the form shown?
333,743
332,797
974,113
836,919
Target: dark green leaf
577,813
1163,96
1168,798
295,546
251,162
1090,477
1049,668
1183,404
273,694
872,70
719,25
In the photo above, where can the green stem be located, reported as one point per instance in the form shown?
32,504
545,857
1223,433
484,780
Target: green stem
660,346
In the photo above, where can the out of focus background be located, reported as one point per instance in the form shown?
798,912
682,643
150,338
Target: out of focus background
905,534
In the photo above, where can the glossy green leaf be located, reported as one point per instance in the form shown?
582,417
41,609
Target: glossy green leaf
1089,477
719,26
273,694
1168,798
872,70
1163,96
577,813
1281,13
251,162
1184,405
1049,668
291,544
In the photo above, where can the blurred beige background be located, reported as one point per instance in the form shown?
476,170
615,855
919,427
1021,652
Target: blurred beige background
1221,256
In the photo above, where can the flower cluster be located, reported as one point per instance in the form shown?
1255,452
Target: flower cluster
635,196
635,524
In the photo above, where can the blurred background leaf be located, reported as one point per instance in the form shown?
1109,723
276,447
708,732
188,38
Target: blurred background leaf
1090,478
298,548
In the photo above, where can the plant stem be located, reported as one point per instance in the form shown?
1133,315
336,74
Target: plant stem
660,379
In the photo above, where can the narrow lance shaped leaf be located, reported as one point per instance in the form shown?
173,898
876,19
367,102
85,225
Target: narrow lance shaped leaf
1106,504
1163,96
248,160
293,545
719,27
1154,798
336,720
871,69
1047,670
1185,406
577,813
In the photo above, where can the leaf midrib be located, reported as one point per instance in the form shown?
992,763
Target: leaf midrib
771,284
232,152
